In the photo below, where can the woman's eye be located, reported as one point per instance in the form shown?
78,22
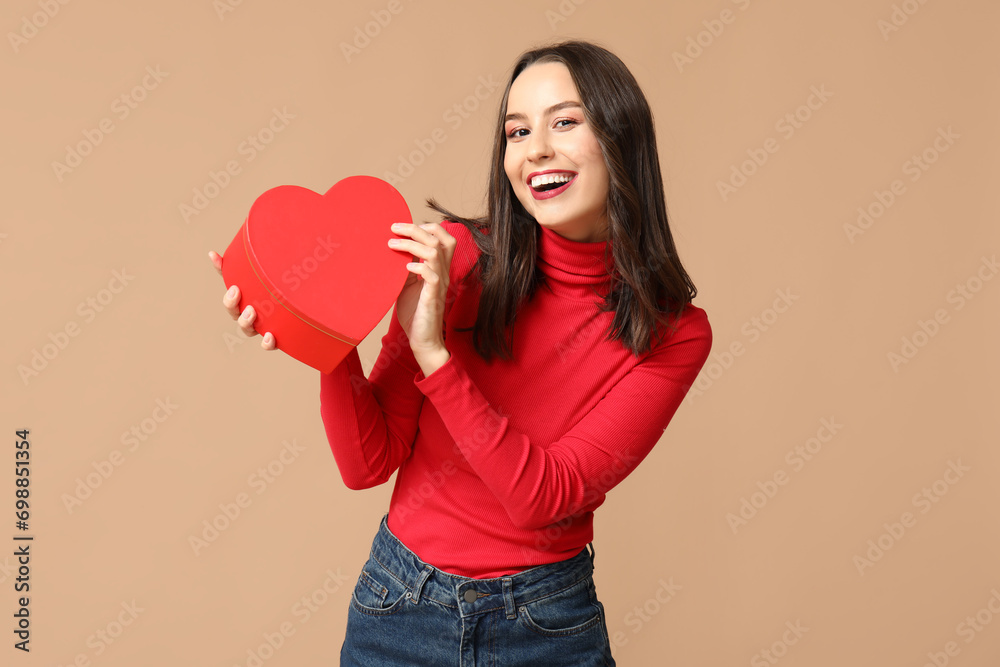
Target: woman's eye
513,134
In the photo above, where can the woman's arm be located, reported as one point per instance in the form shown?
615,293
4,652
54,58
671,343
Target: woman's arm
371,423
540,485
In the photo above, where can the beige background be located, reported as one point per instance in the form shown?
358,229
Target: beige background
165,335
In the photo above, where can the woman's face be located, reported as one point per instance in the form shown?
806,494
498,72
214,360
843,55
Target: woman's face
547,134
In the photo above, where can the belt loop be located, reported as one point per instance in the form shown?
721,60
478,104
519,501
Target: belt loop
591,553
508,597
419,586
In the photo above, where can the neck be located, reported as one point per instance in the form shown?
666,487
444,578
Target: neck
573,269
593,235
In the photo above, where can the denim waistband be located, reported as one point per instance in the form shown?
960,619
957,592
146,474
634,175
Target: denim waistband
507,592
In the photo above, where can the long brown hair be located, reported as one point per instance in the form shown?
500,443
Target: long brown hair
647,272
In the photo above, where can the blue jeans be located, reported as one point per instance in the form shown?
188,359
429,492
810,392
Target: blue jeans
406,612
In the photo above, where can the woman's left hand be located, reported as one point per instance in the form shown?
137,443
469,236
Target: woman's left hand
421,303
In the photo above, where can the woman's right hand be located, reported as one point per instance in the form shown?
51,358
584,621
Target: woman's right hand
231,298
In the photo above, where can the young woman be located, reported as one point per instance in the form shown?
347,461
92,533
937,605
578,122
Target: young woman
536,356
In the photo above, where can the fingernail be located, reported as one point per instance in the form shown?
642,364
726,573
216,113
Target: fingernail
231,292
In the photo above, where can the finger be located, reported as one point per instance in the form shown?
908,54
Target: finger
422,233
246,321
415,248
216,260
426,272
426,241
449,242
231,300
429,241
440,233
268,342
429,235
445,241
442,240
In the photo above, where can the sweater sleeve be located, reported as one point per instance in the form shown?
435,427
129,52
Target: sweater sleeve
371,423
542,483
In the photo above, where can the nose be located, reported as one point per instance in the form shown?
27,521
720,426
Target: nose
538,146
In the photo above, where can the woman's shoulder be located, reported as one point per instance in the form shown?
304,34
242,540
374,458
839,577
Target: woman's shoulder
696,320
693,333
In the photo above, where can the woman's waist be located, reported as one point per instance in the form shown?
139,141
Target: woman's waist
469,533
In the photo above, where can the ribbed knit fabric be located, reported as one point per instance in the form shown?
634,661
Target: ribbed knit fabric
501,465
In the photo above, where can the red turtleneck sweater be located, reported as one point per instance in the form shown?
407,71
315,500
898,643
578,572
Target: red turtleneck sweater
501,465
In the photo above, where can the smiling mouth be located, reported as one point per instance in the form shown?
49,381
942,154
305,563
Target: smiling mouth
551,185
548,182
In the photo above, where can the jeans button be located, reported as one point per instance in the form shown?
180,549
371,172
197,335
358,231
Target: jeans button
471,596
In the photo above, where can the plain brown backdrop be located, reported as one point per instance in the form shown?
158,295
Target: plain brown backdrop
814,302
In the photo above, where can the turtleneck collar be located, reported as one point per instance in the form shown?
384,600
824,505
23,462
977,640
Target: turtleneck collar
573,269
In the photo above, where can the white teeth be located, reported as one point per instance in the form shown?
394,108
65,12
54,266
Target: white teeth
539,181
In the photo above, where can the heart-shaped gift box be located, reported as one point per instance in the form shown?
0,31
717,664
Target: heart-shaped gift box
316,268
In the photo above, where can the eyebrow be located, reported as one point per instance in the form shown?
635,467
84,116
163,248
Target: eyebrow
551,109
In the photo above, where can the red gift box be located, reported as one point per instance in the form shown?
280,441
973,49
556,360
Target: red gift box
316,268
